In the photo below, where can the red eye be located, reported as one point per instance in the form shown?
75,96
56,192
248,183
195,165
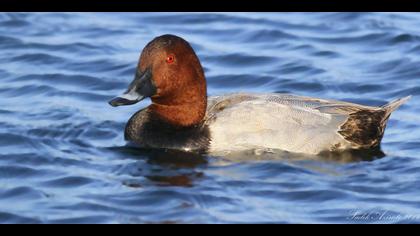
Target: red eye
170,59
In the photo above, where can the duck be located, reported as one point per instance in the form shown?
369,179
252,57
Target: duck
183,117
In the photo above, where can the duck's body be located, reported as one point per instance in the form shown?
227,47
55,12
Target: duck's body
182,117
292,123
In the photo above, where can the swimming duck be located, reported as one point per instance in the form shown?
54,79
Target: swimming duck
182,117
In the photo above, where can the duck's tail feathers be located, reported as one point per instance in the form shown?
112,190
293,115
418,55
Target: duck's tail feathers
365,128
392,106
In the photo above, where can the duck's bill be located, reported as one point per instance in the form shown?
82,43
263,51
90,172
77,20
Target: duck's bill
126,99
141,88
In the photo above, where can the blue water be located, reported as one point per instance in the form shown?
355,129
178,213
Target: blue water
63,157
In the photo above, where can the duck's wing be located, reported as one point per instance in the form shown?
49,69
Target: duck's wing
308,104
281,121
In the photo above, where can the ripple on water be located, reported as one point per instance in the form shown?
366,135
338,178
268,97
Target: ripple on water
27,90
301,86
298,68
100,66
245,80
12,141
317,195
268,36
240,60
9,42
77,81
404,38
326,53
83,131
69,182
9,218
14,23
38,59
370,39
18,172
21,193
414,91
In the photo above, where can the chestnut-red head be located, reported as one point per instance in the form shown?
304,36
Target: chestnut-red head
170,73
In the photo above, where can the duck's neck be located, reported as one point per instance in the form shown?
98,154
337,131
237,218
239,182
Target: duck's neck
186,110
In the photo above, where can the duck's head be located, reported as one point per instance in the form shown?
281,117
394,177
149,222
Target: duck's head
170,73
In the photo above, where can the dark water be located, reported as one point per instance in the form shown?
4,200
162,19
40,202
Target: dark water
62,154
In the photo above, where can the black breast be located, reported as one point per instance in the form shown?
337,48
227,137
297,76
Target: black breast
147,131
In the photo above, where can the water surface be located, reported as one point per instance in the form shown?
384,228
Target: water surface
63,158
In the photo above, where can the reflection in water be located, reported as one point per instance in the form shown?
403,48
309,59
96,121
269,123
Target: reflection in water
347,156
163,157
353,155
176,159
170,167
178,168
185,180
